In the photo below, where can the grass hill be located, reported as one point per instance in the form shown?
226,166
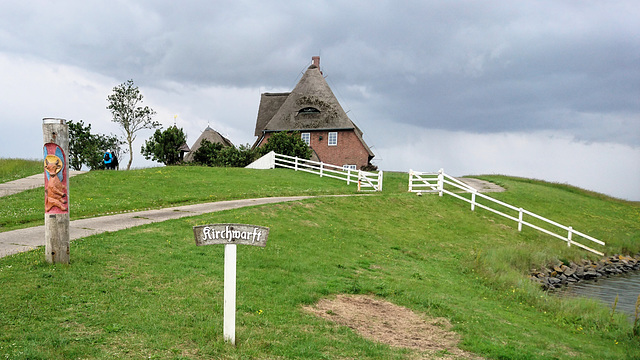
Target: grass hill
149,292
13,169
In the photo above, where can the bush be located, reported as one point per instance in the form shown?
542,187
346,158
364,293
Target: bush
369,167
287,144
214,154
237,157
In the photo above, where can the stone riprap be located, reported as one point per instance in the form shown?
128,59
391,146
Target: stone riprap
561,274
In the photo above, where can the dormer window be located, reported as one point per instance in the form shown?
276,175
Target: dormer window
308,110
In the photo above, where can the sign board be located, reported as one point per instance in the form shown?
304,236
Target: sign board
230,235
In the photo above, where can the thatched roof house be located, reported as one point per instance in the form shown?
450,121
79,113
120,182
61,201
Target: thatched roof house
313,110
210,135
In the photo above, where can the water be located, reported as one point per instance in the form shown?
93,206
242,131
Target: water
625,286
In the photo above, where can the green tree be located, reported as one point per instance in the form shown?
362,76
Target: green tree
80,140
164,146
87,149
287,144
126,110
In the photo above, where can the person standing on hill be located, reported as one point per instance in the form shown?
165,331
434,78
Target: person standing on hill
114,163
108,159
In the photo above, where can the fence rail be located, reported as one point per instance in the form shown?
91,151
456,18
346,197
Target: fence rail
444,184
367,181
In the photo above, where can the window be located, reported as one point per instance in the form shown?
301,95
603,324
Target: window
306,137
333,139
308,110
349,167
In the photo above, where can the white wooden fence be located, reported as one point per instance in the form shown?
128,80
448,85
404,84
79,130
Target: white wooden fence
444,184
367,181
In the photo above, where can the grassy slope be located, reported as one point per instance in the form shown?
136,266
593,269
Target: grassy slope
13,169
592,213
102,192
150,292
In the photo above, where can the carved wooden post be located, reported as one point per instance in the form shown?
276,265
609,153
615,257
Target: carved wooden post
56,189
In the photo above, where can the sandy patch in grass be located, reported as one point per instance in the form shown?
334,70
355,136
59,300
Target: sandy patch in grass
393,325
482,186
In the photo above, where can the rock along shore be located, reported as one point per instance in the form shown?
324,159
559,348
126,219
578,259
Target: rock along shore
562,275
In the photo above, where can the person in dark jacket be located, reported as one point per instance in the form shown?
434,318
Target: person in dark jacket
110,160
115,162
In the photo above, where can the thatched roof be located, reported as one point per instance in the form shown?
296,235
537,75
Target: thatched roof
312,92
184,147
212,136
310,106
270,103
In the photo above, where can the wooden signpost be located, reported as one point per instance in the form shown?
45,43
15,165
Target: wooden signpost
230,235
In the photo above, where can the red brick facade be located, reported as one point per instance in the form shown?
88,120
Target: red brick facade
348,151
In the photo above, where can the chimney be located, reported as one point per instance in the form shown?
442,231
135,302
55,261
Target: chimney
315,60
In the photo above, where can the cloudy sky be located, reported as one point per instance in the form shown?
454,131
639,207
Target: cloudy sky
540,89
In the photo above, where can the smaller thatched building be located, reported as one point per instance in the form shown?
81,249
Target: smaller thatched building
184,149
210,135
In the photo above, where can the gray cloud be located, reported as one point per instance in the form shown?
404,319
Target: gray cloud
467,66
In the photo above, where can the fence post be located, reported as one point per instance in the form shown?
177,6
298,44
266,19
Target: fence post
569,236
473,200
380,178
321,167
520,219
296,164
410,180
272,159
440,181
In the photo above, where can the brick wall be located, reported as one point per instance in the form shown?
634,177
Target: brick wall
348,151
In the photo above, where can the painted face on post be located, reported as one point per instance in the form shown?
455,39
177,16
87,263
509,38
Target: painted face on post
55,190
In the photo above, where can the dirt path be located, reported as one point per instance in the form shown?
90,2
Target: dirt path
384,322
